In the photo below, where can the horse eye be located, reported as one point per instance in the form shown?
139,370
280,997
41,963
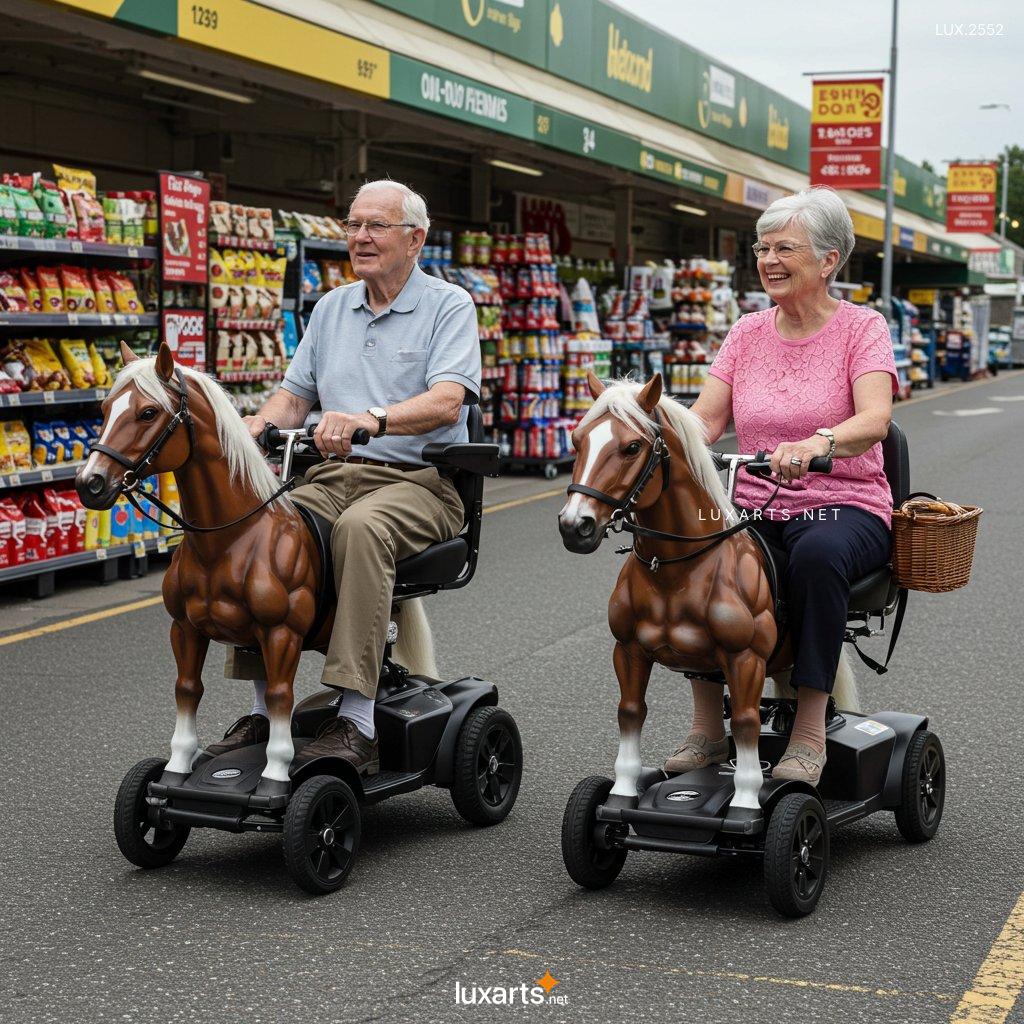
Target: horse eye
148,414
633,448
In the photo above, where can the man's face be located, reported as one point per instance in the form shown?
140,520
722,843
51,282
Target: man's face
387,251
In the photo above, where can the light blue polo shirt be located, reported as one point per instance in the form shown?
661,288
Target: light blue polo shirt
351,358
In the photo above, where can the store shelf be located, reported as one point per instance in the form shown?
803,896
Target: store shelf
137,549
76,396
232,324
248,376
236,242
33,320
325,245
62,471
74,247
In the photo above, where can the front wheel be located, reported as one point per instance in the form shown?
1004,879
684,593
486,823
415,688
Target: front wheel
488,766
796,850
923,791
141,842
589,857
321,834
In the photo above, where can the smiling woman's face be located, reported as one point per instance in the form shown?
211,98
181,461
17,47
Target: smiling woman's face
797,273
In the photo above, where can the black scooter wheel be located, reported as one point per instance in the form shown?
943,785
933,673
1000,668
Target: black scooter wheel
588,858
321,834
796,850
488,766
138,839
923,791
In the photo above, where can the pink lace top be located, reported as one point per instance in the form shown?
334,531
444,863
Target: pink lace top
784,390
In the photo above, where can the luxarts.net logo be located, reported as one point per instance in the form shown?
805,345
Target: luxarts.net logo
539,993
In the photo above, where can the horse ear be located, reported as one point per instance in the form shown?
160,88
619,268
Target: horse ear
595,385
650,396
127,355
165,362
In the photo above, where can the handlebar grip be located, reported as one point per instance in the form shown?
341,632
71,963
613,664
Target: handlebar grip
820,464
270,438
361,436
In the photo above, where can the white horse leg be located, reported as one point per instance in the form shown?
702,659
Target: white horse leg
627,764
748,778
281,650
633,670
189,654
280,749
745,675
184,743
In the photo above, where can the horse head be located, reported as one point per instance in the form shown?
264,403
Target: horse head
143,405
613,453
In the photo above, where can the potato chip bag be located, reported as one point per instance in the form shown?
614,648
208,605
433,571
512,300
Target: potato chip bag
113,220
89,213
66,441
330,272
103,292
12,295
78,293
239,221
8,211
236,266
220,217
6,458
125,296
55,217
80,438
30,218
99,367
45,450
44,368
18,444
30,284
74,354
50,289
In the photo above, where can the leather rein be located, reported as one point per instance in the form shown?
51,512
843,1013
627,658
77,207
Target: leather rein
624,516
137,470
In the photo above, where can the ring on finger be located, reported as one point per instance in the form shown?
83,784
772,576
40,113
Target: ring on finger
796,462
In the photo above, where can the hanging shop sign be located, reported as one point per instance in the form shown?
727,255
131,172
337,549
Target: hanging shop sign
971,198
185,334
846,133
993,261
429,88
184,216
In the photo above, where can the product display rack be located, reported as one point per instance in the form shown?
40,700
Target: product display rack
309,248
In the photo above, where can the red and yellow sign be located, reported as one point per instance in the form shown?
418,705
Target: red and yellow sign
971,198
846,132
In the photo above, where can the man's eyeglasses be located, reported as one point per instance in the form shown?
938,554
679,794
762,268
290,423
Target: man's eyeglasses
784,250
376,229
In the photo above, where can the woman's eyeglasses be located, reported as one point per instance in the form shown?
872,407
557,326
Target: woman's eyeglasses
784,250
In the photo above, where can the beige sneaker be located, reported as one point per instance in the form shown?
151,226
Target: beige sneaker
697,752
800,763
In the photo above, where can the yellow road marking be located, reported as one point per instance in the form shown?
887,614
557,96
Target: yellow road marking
998,983
80,620
523,501
764,979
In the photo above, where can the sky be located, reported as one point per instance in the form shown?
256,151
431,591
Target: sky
943,76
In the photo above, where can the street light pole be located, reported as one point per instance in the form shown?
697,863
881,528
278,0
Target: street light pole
1006,182
890,168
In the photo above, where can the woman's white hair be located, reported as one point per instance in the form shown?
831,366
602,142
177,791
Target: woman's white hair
414,206
821,213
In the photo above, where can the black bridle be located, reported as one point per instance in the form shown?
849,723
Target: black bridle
138,469
624,516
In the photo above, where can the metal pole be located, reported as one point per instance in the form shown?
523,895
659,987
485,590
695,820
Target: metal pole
890,166
1006,183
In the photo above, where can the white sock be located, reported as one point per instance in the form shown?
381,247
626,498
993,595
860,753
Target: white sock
259,698
358,708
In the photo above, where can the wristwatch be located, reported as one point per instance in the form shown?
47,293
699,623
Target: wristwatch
826,433
381,415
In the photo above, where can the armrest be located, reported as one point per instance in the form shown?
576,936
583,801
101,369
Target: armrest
481,459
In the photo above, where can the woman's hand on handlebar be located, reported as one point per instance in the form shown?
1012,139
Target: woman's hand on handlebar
782,458
333,434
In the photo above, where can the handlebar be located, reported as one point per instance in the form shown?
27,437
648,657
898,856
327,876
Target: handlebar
274,437
759,465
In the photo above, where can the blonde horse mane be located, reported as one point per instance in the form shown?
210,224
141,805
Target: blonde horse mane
619,399
246,462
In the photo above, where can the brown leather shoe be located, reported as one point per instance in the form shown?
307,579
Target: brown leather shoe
339,737
246,732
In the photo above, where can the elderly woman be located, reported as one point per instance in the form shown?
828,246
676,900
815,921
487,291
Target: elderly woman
811,376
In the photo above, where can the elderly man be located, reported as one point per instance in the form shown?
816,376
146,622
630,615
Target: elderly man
397,353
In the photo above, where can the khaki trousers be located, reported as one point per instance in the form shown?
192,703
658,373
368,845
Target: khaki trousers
380,516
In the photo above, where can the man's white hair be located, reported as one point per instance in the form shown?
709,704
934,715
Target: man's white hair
414,206
821,213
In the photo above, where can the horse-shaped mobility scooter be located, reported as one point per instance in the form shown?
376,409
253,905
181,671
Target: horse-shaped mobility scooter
254,570
701,595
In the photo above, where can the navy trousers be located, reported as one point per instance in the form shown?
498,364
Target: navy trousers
829,549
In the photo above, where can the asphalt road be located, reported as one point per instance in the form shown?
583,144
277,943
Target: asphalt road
222,933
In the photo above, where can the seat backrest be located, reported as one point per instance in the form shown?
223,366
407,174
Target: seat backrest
896,463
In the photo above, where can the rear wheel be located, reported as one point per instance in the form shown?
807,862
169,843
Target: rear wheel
589,857
796,850
321,834
488,766
923,791
141,842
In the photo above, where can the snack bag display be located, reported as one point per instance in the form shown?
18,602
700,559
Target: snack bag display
218,280
220,217
331,274
50,289
48,199
6,458
120,521
15,533
103,292
8,211
239,221
31,223
99,368
46,451
30,284
74,354
18,444
45,372
125,297
168,488
36,528
6,529
78,293
311,280
12,295
89,214
71,450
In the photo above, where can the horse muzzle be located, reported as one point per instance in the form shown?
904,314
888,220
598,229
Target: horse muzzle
581,534
95,489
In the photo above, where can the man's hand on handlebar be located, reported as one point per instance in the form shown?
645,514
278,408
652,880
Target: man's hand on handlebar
782,459
255,425
333,434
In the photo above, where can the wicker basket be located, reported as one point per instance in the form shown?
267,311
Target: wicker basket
933,543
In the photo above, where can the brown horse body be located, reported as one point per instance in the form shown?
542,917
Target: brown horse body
253,583
714,612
